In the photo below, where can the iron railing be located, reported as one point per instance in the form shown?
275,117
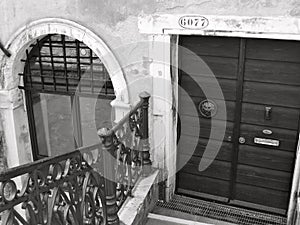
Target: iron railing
66,189
86,186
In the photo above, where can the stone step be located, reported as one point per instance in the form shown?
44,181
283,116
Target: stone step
156,219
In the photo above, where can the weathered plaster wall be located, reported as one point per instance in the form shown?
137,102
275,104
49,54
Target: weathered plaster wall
116,21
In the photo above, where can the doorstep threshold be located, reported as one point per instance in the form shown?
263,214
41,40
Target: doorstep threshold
218,212
174,220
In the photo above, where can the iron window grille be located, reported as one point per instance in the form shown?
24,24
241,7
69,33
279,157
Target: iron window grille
60,64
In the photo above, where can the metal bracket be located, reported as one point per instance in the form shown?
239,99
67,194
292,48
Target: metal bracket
4,50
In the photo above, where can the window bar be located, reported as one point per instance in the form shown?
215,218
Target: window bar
29,70
52,62
65,60
32,128
92,70
78,64
40,63
105,76
68,57
75,106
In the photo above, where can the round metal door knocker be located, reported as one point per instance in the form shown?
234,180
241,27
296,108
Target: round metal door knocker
242,140
208,108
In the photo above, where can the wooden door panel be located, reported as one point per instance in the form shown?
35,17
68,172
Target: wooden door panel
272,72
271,94
277,50
261,177
217,66
280,117
266,158
212,46
187,142
217,169
194,87
203,184
262,196
189,126
287,138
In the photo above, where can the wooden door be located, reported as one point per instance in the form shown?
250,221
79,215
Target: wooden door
260,80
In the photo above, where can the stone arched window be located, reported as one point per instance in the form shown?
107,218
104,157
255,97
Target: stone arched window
62,78
12,107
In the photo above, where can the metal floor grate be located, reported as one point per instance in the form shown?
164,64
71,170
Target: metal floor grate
221,212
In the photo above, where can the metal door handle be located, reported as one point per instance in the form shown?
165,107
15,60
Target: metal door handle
268,111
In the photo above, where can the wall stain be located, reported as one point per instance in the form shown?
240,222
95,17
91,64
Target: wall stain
258,4
3,148
24,136
112,12
296,10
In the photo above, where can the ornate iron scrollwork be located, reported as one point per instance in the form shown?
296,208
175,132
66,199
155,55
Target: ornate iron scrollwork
135,121
61,190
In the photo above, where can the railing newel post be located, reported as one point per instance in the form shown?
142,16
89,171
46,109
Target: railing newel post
108,148
146,161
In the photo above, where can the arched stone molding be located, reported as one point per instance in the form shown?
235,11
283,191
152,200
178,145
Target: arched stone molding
26,35
13,110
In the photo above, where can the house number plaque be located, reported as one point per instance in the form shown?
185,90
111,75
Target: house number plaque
193,22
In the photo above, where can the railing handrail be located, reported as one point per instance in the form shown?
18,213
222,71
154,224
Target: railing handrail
126,117
144,97
19,170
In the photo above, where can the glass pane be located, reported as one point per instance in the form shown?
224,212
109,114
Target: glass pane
53,122
95,114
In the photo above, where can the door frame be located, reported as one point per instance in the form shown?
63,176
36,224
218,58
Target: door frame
163,31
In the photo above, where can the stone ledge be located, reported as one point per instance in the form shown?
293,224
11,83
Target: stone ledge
145,195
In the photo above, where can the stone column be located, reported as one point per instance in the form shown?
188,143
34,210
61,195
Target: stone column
15,127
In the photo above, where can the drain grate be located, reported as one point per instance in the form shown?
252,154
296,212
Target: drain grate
221,212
